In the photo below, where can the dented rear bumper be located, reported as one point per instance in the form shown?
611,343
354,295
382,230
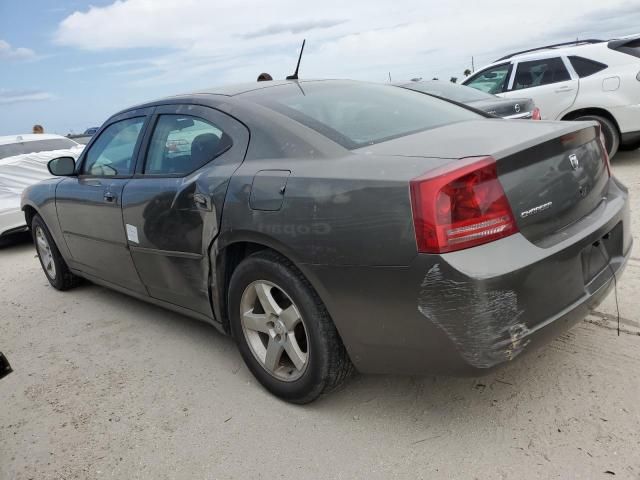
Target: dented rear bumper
466,312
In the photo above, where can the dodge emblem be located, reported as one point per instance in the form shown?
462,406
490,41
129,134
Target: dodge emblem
575,163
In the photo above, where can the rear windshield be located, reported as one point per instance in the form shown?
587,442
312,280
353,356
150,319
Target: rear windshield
451,91
359,114
36,146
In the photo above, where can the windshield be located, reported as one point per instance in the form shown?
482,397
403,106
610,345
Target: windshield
358,114
451,91
12,149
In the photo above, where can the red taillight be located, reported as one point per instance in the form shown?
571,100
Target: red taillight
460,206
535,115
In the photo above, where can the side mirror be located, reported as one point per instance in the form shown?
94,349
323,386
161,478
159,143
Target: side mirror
62,166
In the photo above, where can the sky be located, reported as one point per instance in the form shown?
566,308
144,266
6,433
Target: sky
70,64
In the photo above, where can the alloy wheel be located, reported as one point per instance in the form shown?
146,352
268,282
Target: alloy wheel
44,252
274,330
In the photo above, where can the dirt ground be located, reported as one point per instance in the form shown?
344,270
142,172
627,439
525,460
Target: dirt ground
108,387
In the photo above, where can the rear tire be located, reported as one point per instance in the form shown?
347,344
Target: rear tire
630,146
53,265
609,130
310,356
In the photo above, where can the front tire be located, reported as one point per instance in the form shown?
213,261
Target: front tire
283,330
609,130
53,265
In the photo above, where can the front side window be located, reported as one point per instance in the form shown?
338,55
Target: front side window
536,73
181,144
493,80
112,152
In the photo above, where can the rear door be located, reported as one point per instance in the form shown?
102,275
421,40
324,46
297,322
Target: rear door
173,205
89,205
548,82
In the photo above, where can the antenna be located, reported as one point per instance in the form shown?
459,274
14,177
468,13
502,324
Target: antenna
295,74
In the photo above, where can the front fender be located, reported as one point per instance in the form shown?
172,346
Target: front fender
41,197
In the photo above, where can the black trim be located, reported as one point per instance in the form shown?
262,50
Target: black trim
15,230
89,237
166,253
555,45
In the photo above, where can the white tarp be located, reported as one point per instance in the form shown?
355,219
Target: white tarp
19,172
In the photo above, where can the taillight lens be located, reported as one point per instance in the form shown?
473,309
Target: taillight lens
605,155
535,115
460,206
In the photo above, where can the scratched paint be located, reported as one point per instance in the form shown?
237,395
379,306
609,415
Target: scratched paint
485,325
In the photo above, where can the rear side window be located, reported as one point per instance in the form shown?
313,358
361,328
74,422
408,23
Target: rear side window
585,67
358,114
36,146
181,144
536,73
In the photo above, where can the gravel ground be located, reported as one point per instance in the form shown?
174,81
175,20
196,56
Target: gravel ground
106,386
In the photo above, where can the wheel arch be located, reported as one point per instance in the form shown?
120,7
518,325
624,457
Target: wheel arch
227,256
29,212
601,112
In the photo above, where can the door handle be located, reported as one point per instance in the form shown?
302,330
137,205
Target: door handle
109,197
564,89
202,201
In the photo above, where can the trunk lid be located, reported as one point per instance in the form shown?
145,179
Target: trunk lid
553,173
556,183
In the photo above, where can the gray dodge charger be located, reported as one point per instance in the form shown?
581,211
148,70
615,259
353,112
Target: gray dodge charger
333,225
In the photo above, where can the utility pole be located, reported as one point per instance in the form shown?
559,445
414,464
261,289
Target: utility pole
473,67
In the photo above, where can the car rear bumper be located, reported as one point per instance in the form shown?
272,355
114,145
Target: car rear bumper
466,312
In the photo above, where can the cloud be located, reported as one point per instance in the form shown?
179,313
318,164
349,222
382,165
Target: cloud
296,27
20,96
7,52
194,43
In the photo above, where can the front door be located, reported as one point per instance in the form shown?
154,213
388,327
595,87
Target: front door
548,82
90,205
174,202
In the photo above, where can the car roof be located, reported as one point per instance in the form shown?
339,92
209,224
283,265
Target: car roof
28,137
566,48
236,90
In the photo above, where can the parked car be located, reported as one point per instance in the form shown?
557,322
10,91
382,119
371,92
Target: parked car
5,368
23,162
587,80
332,224
523,108
91,131
82,139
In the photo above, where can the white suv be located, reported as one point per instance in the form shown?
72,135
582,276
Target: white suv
586,80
